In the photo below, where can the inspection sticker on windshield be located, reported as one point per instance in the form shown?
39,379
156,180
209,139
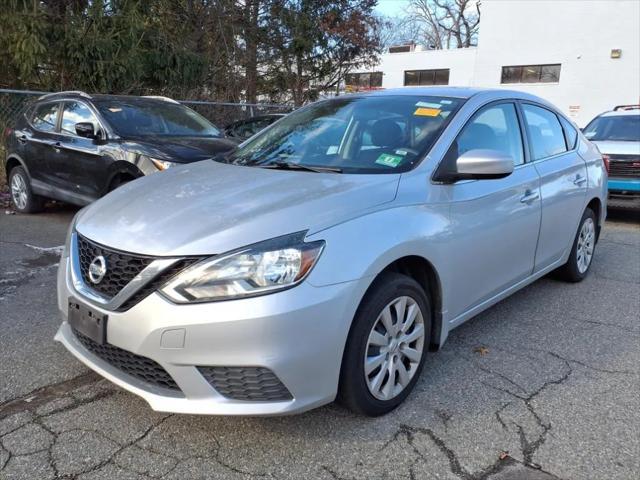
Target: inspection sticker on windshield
389,160
428,105
427,112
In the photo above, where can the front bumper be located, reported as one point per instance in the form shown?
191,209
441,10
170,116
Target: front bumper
626,185
298,334
624,193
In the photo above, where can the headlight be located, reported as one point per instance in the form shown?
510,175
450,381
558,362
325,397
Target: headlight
254,270
70,230
162,164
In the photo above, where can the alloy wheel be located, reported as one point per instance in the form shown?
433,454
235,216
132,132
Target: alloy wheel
586,244
394,348
19,191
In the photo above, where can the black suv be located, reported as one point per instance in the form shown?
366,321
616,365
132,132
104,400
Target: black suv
76,147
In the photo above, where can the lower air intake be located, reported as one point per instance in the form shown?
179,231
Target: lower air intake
137,366
254,384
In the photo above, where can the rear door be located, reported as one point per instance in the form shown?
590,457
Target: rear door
495,221
563,181
38,139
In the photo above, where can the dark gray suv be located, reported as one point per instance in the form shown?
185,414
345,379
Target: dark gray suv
76,147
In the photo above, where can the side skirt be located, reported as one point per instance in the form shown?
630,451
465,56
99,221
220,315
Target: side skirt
41,188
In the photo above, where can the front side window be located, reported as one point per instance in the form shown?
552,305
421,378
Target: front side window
496,128
77,112
531,74
413,78
45,117
545,133
621,128
155,118
352,134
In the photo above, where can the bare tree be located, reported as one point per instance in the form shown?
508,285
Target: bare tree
399,31
447,23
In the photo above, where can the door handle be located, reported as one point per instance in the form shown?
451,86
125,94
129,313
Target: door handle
579,180
529,196
56,147
22,139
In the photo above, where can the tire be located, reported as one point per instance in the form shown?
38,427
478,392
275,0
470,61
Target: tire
22,197
356,388
118,181
577,267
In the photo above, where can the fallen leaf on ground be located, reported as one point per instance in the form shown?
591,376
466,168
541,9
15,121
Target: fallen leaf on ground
481,350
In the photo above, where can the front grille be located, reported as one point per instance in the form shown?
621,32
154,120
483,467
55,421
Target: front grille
624,169
137,366
246,383
623,165
121,267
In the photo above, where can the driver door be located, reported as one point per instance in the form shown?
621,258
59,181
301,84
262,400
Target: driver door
77,161
495,221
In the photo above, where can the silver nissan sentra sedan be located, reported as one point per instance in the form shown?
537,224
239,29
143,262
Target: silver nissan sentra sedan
326,256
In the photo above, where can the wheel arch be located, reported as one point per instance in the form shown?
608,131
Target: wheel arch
423,272
595,204
121,169
13,161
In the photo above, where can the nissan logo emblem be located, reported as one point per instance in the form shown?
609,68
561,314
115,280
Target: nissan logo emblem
97,269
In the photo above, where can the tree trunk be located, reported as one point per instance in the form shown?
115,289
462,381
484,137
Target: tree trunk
251,55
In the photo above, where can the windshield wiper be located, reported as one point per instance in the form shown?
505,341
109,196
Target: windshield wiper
282,165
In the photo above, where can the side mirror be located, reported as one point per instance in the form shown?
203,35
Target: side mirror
86,130
483,164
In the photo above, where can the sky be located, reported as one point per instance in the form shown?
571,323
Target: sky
392,8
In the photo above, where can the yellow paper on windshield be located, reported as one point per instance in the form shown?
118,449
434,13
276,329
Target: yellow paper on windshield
427,112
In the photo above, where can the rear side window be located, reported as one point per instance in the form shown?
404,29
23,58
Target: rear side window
545,132
45,117
76,112
570,133
495,127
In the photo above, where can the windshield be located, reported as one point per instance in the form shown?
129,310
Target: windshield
378,134
155,117
622,128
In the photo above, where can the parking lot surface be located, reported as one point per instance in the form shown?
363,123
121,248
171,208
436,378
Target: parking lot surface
544,385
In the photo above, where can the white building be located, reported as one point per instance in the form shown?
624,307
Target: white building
583,56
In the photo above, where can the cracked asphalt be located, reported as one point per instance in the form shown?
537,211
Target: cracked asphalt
545,385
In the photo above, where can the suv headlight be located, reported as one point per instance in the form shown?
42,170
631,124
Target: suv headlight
258,269
162,164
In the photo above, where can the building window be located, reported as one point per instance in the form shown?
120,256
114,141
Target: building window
531,74
426,77
409,47
363,80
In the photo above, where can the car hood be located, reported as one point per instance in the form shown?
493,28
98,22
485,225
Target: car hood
618,148
209,208
179,149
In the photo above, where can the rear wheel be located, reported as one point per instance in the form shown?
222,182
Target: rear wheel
22,197
584,244
387,345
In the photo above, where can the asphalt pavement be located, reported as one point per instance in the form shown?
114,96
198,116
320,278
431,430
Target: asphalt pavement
544,385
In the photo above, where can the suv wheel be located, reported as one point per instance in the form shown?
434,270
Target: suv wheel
387,346
577,267
23,198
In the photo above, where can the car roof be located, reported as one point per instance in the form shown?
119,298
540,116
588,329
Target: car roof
621,113
105,98
447,91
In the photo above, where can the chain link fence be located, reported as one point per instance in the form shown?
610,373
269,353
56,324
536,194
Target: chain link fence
221,114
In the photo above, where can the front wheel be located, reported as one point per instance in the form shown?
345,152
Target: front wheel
387,346
584,244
